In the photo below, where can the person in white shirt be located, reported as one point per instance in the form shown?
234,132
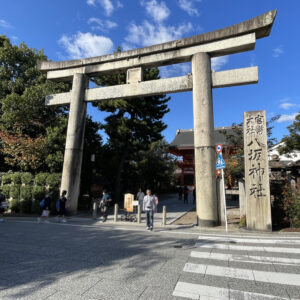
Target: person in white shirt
140,197
149,207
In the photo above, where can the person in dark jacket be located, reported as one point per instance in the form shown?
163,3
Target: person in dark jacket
62,207
45,206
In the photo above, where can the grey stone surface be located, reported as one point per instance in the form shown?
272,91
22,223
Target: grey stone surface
205,172
242,198
74,142
260,25
134,75
258,203
156,87
216,48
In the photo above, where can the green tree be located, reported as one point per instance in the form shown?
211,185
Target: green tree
235,162
132,124
292,141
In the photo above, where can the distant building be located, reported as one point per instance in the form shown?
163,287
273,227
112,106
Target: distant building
284,167
183,147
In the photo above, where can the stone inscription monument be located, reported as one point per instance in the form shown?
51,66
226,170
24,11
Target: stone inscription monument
198,50
258,204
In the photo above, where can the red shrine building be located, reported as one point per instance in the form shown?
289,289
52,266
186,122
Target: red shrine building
183,147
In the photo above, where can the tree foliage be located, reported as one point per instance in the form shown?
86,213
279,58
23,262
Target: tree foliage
132,124
292,141
235,162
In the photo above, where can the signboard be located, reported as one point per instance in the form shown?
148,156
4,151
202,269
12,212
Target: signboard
128,202
219,148
258,205
220,162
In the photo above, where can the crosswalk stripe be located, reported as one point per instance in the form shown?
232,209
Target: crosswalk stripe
270,237
249,248
246,258
262,276
249,240
194,291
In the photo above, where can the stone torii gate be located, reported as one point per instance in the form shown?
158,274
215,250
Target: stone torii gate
199,50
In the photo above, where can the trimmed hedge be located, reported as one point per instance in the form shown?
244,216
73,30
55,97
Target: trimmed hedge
25,191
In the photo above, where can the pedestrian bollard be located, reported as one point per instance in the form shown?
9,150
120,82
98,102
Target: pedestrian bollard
116,213
94,210
139,215
164,215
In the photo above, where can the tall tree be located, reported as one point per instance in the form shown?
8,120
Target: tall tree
133,124
292,141
32,135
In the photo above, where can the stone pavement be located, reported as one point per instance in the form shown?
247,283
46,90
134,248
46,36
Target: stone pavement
85,260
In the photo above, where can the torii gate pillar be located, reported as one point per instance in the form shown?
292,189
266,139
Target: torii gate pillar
74,141
205,173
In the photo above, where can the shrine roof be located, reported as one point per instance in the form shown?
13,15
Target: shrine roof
185,137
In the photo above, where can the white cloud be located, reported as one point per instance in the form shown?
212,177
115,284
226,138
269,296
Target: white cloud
175,70
158,11
148,34
82,45
277,51
111,24
106,5
287,105
218,62
91,2
188,6
119,4
5,24
287,118
101,25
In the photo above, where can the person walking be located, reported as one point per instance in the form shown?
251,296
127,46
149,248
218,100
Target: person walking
185,195
140,197
61,207
2,199
45,206
149,207
104,204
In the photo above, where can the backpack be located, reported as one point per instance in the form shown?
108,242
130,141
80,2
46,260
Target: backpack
58,205
42,203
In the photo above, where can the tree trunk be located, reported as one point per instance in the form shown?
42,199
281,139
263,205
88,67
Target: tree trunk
119,175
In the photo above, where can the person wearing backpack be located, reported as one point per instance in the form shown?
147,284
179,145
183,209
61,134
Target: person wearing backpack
45,206
104,204
61,207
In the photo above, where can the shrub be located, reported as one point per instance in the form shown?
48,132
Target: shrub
40,179
26,193
25,206
14,205
5,191
27,178
243,222
294,210
14,192
53,181
6,179
16,178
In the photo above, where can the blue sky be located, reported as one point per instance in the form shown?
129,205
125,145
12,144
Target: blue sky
69,29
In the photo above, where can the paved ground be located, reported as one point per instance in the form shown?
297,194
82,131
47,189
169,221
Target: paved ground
85,260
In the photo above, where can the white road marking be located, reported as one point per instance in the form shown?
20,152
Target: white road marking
262,276
295,235
249,240
248,248
246,258
198,291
